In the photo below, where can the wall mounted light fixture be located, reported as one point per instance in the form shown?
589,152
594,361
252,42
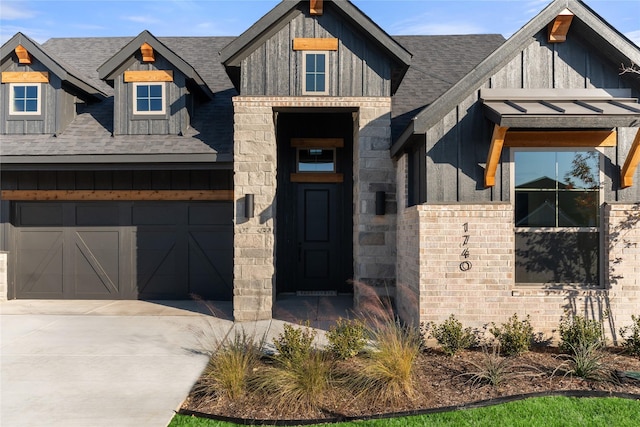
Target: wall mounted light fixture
248,205
380,202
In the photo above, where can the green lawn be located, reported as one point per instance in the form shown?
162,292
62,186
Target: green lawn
543,411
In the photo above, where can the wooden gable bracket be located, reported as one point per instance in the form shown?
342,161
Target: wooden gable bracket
631,163
559,28
23,55
495,152
147,52
316,7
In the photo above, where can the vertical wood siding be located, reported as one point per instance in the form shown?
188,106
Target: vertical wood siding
357,68
457,146
177,116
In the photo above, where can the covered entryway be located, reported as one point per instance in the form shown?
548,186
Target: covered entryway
314,243
123,250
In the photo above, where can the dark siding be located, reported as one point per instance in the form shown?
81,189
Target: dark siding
176,119
120,180
457,146
356,69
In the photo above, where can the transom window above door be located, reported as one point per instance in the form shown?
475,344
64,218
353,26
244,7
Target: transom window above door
557,216
316,160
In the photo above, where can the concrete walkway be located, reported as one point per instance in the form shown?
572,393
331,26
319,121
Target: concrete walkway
119,363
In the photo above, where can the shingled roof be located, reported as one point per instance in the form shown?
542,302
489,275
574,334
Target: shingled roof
438,63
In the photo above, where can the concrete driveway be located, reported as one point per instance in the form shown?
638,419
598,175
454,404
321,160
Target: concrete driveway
97,363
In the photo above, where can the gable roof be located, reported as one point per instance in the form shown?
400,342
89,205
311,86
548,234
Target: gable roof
110,68
286,10
600,34
65,72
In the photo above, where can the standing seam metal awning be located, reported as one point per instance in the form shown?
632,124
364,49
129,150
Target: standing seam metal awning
562,109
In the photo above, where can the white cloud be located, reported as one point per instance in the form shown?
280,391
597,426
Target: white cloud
9,12
141,19
634,36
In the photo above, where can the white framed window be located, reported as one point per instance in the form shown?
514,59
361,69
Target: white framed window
25,98
557,205
315,70
149,98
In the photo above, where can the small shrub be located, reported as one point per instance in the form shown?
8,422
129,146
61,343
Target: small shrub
578,332
451,336
294,344
347,338
515,336
492,370
230,367
586,360
631,336
298,385
387,374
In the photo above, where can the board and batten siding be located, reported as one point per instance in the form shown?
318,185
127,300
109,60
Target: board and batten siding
357,68
457,146
177,116
52,119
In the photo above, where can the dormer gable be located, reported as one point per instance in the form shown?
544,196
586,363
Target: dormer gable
155,90
315,48
39,92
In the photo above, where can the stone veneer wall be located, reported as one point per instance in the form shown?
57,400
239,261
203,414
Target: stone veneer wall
255,170
486,291
3,276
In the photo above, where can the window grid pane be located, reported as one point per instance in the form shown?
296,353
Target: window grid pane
149,98
25,99
315,77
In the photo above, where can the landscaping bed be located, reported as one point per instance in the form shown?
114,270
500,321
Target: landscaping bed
438,380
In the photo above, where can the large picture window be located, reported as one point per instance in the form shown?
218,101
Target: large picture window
315,73
557,217
148,98
25,98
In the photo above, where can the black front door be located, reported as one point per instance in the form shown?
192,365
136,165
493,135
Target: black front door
314,224
318,217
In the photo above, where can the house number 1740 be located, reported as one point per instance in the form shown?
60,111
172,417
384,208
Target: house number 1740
465,265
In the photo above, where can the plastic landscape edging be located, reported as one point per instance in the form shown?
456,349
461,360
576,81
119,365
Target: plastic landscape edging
473,405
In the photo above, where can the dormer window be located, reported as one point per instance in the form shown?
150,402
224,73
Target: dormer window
315,73
25,98
149,98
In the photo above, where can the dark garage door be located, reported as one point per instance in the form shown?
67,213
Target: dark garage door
123,250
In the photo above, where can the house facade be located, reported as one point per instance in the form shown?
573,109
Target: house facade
316,154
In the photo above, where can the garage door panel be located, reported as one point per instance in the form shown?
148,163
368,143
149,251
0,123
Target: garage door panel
157,265
97,266
40,264
123,250
211,264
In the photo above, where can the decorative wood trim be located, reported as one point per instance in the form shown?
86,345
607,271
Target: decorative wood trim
148,76
113,195
631,163
317,177
315,7
315,44
25,77
495,152
596,138
147,52
22,54
317,142
559,27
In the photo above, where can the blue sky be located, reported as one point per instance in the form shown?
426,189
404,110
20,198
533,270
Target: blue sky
43,19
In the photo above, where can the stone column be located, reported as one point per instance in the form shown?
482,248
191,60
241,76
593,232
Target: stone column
254,169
